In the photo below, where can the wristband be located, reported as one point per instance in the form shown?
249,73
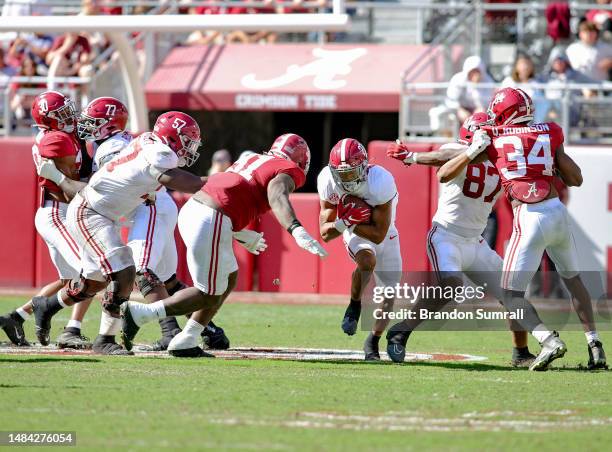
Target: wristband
413,158
294,225
340,225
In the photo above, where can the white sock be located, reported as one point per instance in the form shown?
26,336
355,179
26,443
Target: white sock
193,328
592,336
143,313
541,333
74,324
24,315
109,325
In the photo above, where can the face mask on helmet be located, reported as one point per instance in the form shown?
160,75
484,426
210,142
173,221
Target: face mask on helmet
65,116
88,128
350,178
188,154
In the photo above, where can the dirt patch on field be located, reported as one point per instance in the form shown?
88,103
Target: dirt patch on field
291,354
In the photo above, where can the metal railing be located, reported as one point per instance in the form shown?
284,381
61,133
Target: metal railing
72,86
584,119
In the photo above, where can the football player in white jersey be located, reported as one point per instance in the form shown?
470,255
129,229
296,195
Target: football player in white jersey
114,192
367,228
151,225
455,246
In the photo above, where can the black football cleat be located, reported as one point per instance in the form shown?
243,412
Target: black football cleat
162,343
214,337
370,348
350,321
597,356
106,345
12,324
44,308
397,338
193,352
522,359
129,329
71,338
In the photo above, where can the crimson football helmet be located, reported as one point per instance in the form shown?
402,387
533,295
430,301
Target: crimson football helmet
102,118
348,162
181,133
52,110
292,147
510,106
471,125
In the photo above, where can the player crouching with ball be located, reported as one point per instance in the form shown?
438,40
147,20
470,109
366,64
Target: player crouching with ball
358,201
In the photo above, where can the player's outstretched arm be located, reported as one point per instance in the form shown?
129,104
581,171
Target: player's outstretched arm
473,154
279,189
400,151
181,180
327,221
569,171
377,229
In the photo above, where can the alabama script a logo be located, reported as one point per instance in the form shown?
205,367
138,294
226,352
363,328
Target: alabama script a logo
327,65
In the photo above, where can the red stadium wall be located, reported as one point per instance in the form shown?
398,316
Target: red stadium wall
25,262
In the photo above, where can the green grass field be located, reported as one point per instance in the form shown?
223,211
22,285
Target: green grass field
138,403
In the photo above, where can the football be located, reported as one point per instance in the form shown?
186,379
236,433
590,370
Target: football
348,202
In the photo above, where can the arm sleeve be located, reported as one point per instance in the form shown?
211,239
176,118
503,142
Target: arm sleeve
55,145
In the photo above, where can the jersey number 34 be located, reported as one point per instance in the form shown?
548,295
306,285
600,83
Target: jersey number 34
511,147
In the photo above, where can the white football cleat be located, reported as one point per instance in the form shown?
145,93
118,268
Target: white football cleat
184,345
552,348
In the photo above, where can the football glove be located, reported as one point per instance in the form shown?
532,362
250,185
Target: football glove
480,141
399,151
46,169
305,241
253,241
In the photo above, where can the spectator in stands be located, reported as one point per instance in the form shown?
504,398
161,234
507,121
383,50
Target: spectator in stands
556,74
463,96
36,46
523,73
5,70
221,160
70,55
601,17
589,55
522,76
21,101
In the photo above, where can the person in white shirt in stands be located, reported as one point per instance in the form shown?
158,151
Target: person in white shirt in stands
463,97
589,55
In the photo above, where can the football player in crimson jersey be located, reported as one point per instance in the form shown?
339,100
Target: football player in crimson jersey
227,203
55,116
369,234
455,246
527,157
114,192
